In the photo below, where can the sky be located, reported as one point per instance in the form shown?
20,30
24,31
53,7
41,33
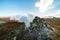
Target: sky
24,7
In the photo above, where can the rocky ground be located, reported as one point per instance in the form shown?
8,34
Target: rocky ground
40,29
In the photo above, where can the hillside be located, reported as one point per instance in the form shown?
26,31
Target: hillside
12,28
9,30
55,23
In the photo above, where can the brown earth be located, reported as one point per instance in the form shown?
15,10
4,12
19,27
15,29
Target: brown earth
10,29
55,23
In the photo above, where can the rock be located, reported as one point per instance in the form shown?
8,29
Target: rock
38,30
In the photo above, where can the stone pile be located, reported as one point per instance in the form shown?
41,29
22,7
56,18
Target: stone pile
38,30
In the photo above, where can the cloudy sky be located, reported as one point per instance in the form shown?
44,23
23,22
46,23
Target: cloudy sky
35,7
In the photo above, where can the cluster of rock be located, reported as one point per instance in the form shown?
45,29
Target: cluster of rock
38,30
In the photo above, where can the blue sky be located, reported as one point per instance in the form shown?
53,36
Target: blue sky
16,7
22,7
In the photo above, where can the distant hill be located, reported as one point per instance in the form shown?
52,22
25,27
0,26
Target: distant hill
7,19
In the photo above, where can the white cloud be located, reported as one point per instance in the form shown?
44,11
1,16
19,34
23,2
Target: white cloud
55,13
44,5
